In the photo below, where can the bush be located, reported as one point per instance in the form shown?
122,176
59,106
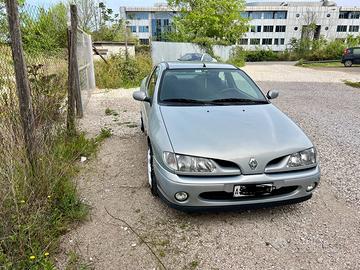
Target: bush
122,73
237,57
261,55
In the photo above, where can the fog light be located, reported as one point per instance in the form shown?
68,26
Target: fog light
181,196
310,187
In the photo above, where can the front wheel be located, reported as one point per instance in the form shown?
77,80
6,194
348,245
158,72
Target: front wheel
151,173
348,63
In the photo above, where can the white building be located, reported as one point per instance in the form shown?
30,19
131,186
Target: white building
273,25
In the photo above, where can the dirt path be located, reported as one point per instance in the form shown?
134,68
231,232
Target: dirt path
322,233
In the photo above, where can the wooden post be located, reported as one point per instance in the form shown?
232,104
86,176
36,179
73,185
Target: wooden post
73,71
22,81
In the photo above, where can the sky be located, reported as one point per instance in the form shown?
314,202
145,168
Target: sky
115,4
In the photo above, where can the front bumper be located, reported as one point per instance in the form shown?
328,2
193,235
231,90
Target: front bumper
216,191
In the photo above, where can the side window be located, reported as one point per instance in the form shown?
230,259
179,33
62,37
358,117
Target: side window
207,58
243,85
356,51
152,82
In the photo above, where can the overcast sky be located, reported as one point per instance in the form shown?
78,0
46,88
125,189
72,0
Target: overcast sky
115,4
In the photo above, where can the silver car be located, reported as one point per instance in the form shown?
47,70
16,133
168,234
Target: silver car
215,140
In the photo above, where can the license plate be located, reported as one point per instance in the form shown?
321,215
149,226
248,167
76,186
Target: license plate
252,190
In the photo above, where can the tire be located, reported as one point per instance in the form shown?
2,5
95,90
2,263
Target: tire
348,63
151,173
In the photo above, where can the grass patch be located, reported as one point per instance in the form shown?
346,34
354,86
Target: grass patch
352,84
194,265
314,65
75,262
109,112
122,73
42,203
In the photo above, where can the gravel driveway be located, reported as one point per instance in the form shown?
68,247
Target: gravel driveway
322,233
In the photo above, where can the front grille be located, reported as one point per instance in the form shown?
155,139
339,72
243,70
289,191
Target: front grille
226,196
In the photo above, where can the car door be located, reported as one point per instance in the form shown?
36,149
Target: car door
356,52
150,90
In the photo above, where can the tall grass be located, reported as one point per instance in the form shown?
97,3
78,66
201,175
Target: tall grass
39,201
122,73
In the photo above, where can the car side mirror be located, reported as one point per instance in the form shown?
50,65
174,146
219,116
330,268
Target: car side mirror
141,96
272,94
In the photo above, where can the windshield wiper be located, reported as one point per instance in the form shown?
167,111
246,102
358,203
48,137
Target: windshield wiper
184,100
237,100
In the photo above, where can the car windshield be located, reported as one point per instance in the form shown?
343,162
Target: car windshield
191,57
210,87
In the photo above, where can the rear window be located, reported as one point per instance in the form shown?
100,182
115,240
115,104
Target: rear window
208,84
191,57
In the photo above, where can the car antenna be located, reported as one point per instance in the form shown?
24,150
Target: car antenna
204,65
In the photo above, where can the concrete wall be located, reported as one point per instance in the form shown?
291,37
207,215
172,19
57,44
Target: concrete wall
113,49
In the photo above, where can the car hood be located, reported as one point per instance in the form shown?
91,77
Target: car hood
233,133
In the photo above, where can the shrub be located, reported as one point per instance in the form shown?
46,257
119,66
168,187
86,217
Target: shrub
237,57
261,55
122,73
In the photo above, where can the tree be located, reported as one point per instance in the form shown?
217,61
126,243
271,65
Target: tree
46,30
208,21
94,14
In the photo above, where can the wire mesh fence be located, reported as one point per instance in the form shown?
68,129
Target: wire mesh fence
86,65
45,45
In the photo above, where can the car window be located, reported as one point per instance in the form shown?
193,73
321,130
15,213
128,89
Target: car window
208,85
356,51
152,82
244,85
207,58
191,57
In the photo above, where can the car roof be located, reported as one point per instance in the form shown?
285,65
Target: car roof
192,65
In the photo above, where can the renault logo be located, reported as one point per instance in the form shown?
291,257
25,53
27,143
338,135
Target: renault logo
253,163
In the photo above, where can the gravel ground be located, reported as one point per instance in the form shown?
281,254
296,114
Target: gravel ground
322,233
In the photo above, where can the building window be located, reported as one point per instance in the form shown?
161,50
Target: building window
255,14
137,16
344,15
144,41
143,29
296,28
244,41
279,41
355,15
266,41
280,14
297,15
245,14
268,15
132,28
326,28
341,28
268,28
280,28
328,15
255,41
255,28
353,28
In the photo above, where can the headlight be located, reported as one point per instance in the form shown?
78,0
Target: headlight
184,163
303,158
